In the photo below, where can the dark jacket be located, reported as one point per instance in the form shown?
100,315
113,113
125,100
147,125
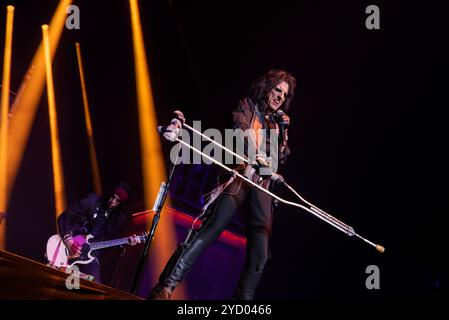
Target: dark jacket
83,217
248,116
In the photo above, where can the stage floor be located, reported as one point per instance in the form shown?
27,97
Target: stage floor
25,279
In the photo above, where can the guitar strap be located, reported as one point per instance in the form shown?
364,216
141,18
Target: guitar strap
55,254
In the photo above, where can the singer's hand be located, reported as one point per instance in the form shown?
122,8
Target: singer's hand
276,177
285,120
172,131
263,161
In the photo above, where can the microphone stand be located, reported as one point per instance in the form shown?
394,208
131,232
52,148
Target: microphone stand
157,208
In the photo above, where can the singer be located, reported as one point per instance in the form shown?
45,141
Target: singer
264,109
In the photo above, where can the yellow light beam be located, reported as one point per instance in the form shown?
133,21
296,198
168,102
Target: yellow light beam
153,168
90,135
4,124
58,174
28,98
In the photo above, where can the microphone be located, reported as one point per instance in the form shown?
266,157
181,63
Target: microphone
283,124
172,131
279,114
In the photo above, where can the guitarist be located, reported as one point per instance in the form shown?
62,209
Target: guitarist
100,216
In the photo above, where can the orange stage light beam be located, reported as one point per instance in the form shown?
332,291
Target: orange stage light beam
58,174
153,167
4,124
28,98
90,134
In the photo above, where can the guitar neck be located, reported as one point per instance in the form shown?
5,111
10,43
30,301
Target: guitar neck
109,243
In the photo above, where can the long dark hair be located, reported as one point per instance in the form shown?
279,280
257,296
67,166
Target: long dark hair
264,84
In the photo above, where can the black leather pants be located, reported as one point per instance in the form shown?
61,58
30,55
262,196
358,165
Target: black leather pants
258,215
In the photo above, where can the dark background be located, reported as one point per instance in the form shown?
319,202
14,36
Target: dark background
367,129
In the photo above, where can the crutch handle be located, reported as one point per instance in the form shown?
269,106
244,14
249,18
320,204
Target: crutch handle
380,248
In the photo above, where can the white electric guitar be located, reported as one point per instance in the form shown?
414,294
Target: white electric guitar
59,256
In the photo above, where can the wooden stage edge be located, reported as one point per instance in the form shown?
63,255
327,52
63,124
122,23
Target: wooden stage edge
25,279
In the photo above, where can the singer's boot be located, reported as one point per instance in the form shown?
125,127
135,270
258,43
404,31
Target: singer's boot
247,285
176,268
